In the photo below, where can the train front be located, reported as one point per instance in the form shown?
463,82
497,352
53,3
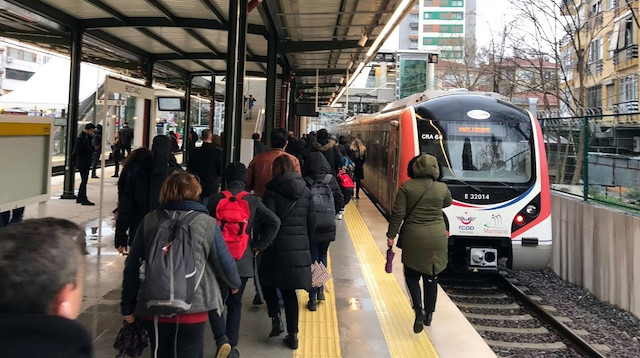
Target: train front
493,161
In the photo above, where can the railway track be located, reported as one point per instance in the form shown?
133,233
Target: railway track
513,323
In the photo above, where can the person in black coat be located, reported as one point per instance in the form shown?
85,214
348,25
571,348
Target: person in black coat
139,189
206,163
286,264
358,153
329,148
258,146
316,168
96,142
263,225
126,137
83,152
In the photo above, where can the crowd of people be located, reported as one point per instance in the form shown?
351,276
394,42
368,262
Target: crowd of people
192,248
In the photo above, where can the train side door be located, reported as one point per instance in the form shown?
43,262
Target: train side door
393,159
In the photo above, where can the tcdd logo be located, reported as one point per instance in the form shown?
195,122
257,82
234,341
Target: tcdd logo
466,221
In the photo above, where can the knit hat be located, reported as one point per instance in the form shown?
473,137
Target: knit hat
236,171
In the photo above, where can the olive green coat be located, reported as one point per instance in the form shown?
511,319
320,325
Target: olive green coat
424,235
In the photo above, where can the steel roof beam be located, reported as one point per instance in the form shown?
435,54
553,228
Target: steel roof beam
308,46
209,5
37,37
304,86
105,7
47,11
164,10
202,56
322,72
183,22
269,14
202,40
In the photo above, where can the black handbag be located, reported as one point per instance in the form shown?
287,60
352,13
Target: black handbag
406,215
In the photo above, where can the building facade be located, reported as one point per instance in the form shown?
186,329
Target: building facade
447,27
17,64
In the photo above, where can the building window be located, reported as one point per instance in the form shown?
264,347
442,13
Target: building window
611,4
413,44
431,28
457,3
428,2
594,96
596,7
628,33
13,74
611,45
611,95
413,31
526,75
437,15
629,89
595,50
457,29
22,55
413,17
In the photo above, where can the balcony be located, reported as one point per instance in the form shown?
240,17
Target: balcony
623,58
414,24
594,68
626,107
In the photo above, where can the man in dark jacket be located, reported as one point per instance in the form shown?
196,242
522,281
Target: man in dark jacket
126,137
206,163
41,290
258,146
317,168
96,142
329,148
83,152
264,225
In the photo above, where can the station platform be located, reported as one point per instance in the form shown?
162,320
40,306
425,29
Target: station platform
367,312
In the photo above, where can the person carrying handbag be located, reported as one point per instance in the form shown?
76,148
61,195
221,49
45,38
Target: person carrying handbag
423,237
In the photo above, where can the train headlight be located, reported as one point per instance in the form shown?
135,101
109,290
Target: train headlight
531,210
519,219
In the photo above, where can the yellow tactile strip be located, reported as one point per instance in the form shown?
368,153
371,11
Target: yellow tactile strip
392,307
319,335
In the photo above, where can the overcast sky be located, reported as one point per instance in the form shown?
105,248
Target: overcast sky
492,15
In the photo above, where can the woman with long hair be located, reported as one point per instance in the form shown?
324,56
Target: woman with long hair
286,264
423,237
358,153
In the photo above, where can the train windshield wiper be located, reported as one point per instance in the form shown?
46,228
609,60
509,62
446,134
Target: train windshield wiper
467,184
508,186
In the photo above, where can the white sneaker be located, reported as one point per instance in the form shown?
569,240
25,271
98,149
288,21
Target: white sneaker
339,216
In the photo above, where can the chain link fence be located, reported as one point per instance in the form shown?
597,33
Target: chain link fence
595,156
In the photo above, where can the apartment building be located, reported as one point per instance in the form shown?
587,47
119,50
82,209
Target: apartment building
17,64
447,27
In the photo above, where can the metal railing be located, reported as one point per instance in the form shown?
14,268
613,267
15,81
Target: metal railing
595,156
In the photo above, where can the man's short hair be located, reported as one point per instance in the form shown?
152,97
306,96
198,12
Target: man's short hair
89,126
206,134
279,138
38,257
255,136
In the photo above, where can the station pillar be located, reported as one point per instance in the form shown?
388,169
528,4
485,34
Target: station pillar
236,54
149,122
187,121
72,119
212,104
272,75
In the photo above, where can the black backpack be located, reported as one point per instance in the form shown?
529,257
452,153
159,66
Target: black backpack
171,277
322,197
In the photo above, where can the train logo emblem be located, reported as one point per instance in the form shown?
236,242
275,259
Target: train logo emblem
466,221
478,114
496,227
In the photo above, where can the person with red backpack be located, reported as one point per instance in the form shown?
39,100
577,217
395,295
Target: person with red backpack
239,215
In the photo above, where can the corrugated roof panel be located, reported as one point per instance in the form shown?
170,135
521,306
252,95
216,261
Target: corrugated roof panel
189,8
78,8
253,66
189,65
180,38
218,65
258,44
132,8
217,38
136,38
222,6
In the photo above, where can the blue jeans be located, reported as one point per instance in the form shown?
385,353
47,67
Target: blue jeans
318,253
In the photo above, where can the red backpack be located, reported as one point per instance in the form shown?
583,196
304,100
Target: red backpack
345,180
232,214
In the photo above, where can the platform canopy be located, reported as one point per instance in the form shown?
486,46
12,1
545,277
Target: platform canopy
183,37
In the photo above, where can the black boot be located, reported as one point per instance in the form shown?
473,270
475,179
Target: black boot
312,305
427,319
276,326
257,300
291,340
417,324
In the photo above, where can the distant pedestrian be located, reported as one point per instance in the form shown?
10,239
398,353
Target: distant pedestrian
258,146
83,153
358,153
173,142
126,136
206,163
329,148
181,334
193,138
261,228
116,151
418,207
41,288
96,142
286,264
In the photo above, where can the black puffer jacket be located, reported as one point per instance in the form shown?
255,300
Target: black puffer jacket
83,151
263,225
286,264
206,162
329,148
316,168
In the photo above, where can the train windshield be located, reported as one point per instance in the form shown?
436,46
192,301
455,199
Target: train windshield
490,151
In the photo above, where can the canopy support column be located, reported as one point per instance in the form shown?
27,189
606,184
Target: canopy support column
186,136
272,75
148,74
236,57
72,117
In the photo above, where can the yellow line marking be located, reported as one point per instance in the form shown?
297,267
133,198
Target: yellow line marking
24,129
392,307
319,335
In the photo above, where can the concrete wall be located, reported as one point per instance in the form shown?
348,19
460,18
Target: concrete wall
598,248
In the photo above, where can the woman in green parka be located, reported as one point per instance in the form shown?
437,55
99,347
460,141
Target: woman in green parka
423,237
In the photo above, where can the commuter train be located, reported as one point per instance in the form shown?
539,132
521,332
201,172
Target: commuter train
492,158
